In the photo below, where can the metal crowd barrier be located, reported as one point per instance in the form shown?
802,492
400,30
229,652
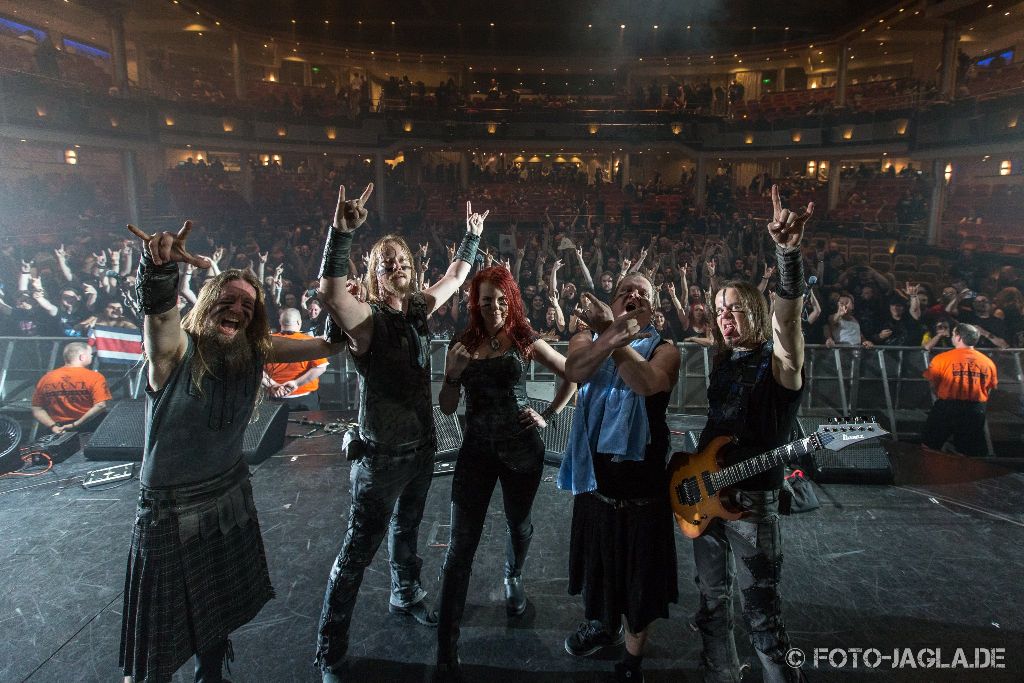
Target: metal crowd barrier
884,381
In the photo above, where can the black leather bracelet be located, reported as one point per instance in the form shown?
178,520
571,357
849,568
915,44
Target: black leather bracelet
157,286
452,381
467,249
791,272
336,254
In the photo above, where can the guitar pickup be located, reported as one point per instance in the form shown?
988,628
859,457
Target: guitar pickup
688,492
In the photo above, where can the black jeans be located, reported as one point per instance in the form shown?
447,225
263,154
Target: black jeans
757,541
478,469
964,421
388,496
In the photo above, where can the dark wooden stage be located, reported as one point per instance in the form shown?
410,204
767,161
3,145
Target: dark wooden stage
933,561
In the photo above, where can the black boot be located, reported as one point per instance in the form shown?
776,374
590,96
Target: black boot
210,663
454,587
516,548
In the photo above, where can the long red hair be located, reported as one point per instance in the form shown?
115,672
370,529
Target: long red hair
517,327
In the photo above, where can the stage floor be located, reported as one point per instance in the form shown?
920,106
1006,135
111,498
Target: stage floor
931,562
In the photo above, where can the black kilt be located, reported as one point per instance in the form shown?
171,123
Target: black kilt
623,560
197,571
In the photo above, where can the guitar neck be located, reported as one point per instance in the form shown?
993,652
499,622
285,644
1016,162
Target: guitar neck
733,474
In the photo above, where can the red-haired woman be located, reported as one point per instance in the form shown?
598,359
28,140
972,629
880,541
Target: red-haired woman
490,360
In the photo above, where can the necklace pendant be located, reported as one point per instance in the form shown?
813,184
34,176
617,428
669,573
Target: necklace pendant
495,344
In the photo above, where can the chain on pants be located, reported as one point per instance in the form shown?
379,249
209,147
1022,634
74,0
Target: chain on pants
749,553
388,496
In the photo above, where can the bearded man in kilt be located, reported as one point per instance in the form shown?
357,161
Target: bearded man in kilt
197,569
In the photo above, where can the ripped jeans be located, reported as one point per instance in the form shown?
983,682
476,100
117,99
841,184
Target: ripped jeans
388,495
756,542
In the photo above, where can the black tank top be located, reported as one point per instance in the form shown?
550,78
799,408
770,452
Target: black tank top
394,390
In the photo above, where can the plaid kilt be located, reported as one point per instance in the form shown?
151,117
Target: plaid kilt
196,571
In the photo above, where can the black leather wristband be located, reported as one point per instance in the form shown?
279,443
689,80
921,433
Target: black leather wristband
157,286
333,332
791,272
467,250
336,254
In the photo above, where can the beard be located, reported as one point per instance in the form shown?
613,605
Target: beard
388,284
226,356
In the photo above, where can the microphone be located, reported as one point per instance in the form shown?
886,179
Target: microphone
811,281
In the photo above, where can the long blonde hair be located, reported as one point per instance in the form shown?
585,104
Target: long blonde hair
257,332
377,255
755,307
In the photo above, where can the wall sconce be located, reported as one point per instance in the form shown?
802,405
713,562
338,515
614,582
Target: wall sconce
901,126
677,128
593,128
264,159
41,111
332,132
70,157
168,121
812,167
1005,167
282,132
796,136
228,125
1012,123
748,139
948,173
114,122
848,133
492,128
407,126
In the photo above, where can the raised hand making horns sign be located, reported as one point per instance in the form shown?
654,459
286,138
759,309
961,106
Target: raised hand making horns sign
168,247
350,214
787,227
475,221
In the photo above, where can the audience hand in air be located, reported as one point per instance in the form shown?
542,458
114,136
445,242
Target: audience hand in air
475,221
787,227
350,214
168,247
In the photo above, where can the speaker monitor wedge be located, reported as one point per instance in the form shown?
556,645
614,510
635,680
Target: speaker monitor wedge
121,435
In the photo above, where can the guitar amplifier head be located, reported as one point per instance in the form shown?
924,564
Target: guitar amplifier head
868,464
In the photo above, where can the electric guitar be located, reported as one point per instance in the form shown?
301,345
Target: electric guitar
700,485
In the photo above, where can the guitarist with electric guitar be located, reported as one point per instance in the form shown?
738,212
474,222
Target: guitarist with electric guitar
753,396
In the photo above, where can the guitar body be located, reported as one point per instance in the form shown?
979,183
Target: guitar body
699,486
693,503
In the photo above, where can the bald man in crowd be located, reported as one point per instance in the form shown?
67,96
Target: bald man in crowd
295,384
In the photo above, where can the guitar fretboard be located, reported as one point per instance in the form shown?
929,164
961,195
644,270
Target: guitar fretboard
729,476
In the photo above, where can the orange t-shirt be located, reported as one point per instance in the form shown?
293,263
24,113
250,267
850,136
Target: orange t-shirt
286,372
962,375
67,393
